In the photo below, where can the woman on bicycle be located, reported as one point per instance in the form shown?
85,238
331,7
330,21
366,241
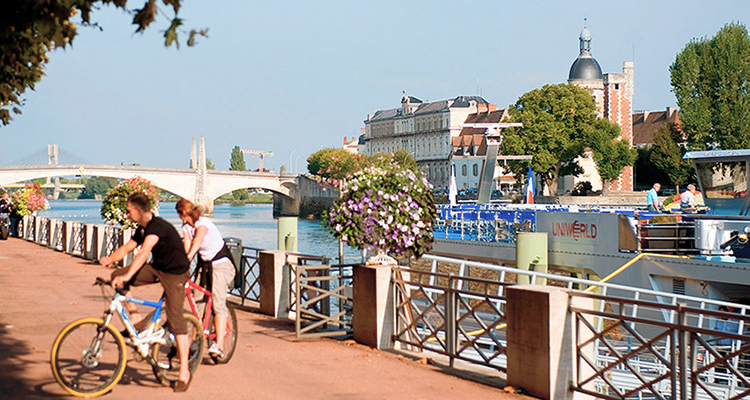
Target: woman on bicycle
201,236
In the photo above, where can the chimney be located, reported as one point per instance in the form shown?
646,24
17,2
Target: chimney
670,112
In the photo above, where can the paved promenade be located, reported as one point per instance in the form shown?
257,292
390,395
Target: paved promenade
41,290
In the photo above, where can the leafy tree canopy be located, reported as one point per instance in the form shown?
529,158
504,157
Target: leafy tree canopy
667,153
334,164
711,81
29,29
556,119
97,185
401,157
610,154
237,160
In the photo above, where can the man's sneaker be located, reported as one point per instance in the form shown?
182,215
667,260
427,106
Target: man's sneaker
215,351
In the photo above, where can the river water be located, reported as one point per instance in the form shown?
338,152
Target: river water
252,223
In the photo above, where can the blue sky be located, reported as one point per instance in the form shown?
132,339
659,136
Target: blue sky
291,77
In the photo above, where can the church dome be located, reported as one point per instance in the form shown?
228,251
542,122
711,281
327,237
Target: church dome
585,69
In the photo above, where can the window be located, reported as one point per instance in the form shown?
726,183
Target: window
475,169
463,170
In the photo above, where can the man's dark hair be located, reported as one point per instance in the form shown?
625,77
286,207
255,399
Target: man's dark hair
140,201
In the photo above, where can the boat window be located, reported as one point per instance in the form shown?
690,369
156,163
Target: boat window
723,180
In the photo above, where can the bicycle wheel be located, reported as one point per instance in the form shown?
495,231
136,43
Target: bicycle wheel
166,357
88,358
230,339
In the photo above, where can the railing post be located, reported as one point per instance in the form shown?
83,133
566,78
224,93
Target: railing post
373,320
684,356
275,285
450,319
542,345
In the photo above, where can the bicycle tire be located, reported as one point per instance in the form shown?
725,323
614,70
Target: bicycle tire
230,339
166,356
87,376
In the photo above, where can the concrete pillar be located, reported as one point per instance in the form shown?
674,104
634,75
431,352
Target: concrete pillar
37,230
287,234
373,309
541,341
275,283
67,237
54,236
531,253
89,240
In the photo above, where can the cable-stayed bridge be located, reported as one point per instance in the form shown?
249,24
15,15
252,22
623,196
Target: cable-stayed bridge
197,184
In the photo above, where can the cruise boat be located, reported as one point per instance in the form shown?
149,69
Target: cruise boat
702,255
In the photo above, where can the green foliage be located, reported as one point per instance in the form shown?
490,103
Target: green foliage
237,160
711,79
611,155
400,157
334,164
389,208
97,185
667,154
556,119
210,165
282,169
113,210
30,29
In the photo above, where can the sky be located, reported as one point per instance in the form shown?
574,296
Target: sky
293,77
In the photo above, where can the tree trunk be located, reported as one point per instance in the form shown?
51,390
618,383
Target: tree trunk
605,187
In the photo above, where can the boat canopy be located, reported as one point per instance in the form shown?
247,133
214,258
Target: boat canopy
723,179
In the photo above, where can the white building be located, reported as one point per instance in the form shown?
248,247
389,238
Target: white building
424,129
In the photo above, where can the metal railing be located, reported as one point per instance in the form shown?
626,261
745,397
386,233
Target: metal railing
44,231
76,241
628,342
457,316
57,228
250,270
323,299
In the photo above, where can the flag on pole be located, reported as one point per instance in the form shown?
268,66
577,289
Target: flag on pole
530,187
452,189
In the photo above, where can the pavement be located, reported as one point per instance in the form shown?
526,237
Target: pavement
41,290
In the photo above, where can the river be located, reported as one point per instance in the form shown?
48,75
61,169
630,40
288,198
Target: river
252,223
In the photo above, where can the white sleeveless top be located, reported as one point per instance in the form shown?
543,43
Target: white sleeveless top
212,242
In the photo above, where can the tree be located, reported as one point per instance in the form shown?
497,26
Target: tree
555,120
209,164
400,157
711,81
237,163
30,29
611,154
237,160
97,185
667,154
334,164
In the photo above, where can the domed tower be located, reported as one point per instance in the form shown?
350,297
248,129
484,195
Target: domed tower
586,71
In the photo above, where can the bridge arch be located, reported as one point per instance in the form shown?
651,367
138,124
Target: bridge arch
188,183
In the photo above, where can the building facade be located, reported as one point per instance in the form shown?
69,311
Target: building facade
425,129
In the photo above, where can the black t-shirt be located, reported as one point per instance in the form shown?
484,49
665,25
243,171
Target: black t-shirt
169,252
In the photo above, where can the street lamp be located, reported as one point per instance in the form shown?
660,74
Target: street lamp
290,160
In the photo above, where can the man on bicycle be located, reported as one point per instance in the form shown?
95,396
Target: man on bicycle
169,266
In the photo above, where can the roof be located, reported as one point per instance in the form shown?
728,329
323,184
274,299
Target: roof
483,117
585,68
646,123
469,145
384,114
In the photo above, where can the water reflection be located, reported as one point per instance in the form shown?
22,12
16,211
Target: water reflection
252,223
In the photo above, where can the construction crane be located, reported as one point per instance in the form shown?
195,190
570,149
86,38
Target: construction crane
262,154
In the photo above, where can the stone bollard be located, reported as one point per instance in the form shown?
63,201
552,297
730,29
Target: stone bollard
541,341
373,309
275,283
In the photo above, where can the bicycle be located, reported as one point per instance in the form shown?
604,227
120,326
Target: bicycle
207,320
88,356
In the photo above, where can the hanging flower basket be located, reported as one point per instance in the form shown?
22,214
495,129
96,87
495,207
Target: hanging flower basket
388,210
113,209
29,200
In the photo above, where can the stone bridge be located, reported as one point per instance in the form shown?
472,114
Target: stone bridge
196,184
